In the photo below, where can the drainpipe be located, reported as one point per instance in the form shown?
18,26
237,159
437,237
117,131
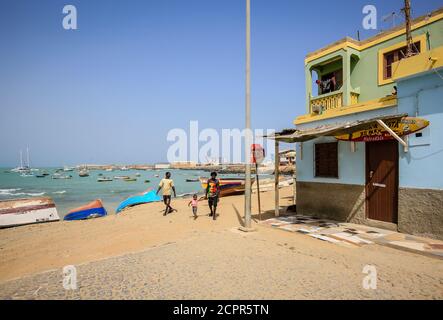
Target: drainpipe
417,97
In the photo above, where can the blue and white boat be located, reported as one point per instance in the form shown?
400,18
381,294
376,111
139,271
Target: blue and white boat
94,209
146,197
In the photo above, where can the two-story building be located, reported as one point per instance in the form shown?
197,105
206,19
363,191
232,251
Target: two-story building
369,148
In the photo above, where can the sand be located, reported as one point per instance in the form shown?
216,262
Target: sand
34,248
142,255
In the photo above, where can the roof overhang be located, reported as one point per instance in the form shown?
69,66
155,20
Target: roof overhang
295,135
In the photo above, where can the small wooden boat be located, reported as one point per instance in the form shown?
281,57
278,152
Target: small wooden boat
147,197
83,173
26,211
147,181
61,176
26,174
130,179
104,179
228,186
192,180
94,209
121,177
40,176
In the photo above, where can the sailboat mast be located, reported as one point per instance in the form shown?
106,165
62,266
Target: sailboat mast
27,151
21,159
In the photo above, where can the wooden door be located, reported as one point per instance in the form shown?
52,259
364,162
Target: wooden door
382,180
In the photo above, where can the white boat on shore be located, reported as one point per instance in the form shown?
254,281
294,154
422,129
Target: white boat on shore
26,211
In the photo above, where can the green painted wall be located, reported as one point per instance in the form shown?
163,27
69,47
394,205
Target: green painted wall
364,70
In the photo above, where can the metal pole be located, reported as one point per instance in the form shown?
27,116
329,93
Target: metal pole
276,176
248,118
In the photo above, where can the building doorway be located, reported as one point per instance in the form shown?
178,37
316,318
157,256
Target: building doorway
382,180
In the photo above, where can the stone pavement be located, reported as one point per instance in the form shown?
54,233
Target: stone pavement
355,235
230,264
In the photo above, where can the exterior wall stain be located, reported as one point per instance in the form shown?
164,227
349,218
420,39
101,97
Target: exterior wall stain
420,212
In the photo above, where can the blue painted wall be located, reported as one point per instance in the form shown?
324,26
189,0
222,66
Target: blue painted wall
422,166
351,165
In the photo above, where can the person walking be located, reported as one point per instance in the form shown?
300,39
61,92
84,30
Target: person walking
212,194
166,185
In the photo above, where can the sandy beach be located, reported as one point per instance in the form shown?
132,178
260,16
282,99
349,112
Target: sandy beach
142,255
34,248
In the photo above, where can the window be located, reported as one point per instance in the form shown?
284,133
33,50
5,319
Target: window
326,160
396,55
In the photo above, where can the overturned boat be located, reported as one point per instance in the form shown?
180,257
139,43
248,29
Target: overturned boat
93,209
146,197
26,211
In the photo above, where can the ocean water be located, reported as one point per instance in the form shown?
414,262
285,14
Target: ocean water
71,193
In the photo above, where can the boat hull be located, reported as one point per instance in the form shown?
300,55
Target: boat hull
27,211
228,186
147,197
94,209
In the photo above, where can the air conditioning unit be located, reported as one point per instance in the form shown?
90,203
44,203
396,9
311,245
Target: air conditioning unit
317,109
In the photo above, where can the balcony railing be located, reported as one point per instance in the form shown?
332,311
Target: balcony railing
354,97
330,101
326,102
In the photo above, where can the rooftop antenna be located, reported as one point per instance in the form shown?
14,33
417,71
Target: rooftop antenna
389,17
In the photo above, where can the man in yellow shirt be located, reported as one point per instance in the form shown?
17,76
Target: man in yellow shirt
167,184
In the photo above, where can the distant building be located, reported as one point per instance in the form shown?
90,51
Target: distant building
162,166
287,157
183,165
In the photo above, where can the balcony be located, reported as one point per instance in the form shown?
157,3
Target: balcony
330,101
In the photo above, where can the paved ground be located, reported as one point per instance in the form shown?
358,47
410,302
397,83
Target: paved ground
350,234
228,264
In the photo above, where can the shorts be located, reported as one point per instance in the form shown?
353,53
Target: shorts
166,198
194,210
212,201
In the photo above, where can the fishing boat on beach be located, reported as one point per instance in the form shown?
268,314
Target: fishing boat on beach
26,211
91,210
228,186
146,197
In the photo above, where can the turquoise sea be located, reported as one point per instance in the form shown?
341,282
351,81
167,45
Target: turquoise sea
70,193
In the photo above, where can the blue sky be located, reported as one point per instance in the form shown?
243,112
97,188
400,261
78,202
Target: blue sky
110,91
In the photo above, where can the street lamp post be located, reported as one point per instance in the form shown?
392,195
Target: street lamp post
248,118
